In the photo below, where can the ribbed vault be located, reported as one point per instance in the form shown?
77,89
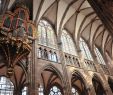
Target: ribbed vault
77,17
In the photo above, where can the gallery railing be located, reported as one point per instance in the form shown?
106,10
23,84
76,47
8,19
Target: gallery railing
90,65
72,60
47,53
50,54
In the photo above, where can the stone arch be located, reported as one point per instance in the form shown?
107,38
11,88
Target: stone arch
98,85
51,66
82,76
50,76
110,82
99,78
79,82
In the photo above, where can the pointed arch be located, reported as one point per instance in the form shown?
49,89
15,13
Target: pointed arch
98,85
110,82
52,67
79,83
51,77
81,75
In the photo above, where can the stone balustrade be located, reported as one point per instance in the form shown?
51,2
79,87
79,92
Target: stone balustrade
50,54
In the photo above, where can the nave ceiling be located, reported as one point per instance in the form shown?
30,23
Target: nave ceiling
75,16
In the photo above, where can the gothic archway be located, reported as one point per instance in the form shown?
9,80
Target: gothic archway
52,82
99,89
78,84
110,82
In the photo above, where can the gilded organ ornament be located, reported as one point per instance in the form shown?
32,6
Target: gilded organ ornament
17,32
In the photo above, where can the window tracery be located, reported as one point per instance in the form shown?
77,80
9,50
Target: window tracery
67,43
47,54
55,91
46,34
6,86
99,56
85,50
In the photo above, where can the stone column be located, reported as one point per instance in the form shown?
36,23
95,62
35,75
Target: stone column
82,63
32,90
97,65
67,85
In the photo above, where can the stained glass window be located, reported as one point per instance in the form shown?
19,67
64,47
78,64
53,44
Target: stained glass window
74,91
67,43
55,91
85,50
6,86
99,56
40,90
24,91
46,35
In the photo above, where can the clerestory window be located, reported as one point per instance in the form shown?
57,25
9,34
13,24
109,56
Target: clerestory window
67,43
99,56
46,35
85,50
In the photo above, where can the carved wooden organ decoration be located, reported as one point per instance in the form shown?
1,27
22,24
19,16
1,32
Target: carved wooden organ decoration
16,35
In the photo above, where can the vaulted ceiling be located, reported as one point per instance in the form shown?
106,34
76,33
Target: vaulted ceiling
76,16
